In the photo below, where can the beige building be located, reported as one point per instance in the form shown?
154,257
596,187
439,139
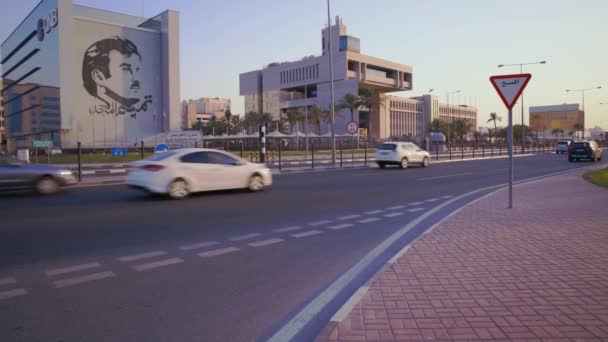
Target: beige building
204,109
545,119
301,84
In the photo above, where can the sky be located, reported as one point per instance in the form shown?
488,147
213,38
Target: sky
451,45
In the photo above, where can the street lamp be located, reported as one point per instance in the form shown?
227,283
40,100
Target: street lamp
522,96
582,91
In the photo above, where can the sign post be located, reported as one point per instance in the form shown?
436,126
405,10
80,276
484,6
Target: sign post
509,88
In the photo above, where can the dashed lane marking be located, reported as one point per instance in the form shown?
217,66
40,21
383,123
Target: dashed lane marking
413,210
305,234
374,212
447,197
393,214
416,203
349,217
319,223
265,242
70,269
199,245
397,207
83,279
432,200
446,176
245,237
340,226
217,252
287,229
369,220
142,256
6,281
12,293
157,264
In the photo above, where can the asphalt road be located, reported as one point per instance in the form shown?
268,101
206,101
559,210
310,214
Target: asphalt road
111,264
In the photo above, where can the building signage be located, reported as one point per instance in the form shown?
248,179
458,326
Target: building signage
42,143
46,24
183,139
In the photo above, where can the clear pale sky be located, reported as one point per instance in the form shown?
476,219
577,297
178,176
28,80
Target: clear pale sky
451,45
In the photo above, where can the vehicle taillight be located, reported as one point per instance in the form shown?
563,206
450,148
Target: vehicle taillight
152,167
588,149
570,148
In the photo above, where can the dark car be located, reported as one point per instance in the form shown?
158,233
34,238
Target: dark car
44,179
584,150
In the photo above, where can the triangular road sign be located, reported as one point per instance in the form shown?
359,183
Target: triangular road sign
510,87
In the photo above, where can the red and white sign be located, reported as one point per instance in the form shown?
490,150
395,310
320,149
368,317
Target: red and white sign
510,87
352,127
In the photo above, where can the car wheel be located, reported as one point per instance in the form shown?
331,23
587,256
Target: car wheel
425,162
178,189
256,183
47,186
403,163
381,165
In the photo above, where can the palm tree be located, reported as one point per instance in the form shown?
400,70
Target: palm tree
351,102
293,116
326,115
461,127
228,116
316,116
435,126
493,118
577,128
370,98
555,131
491,133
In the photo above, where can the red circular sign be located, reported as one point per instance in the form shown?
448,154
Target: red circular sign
352,127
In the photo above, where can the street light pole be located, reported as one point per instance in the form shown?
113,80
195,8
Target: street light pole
582,91
331,87
521,71
450,113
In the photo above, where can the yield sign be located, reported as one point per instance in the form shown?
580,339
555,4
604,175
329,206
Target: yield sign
510,87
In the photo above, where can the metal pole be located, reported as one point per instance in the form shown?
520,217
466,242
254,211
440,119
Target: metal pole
280,155
340,154
583,138
142,149
262,143
79,161
522,114
331,81
306,118
365,153
510,133
312,150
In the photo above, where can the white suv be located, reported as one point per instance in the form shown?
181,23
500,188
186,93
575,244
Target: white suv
562,146
402,154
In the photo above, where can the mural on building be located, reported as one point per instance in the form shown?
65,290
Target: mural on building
111,74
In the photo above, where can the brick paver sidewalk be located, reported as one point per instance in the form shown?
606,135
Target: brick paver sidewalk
539,271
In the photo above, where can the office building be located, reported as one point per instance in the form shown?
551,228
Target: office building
2,135
546,121
78,74
204,109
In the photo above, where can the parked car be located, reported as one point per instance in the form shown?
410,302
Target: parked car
16,175
181,172
584,150
402,154
562,146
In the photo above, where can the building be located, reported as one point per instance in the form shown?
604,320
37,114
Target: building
78,74
546,121
204,109
301,84
2,135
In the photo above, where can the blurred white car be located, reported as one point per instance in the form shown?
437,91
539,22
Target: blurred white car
402,154
181,172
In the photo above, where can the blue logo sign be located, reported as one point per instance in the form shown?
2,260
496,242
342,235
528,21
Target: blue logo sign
160,148
119,151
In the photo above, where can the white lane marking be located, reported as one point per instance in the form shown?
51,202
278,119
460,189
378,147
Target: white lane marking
319,223
393,214
416,203
86,172
6,281
349,217
305,234
340,226
432,200
118,170
413,210
369,220
447,197
146,255
217,252
397,207
83,279
349,305
287,229
265,242
12,293
245,237
374,212
446,176
199,245
157,264
58,271
399,254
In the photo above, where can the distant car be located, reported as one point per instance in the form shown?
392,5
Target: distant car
44,179
562,146
584,150
178,173
402,154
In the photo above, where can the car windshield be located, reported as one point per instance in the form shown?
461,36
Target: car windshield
580,145
388,147
562,143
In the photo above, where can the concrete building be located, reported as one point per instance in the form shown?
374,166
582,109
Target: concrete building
545,119
300,84
2,135
204,109
73,73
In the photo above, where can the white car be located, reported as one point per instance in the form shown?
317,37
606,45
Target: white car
562,146
181,172
402,154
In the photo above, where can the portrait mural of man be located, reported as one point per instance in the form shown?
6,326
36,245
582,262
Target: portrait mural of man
111,73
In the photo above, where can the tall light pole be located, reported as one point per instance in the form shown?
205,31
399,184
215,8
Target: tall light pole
331,87
582,91
521,71
450,112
